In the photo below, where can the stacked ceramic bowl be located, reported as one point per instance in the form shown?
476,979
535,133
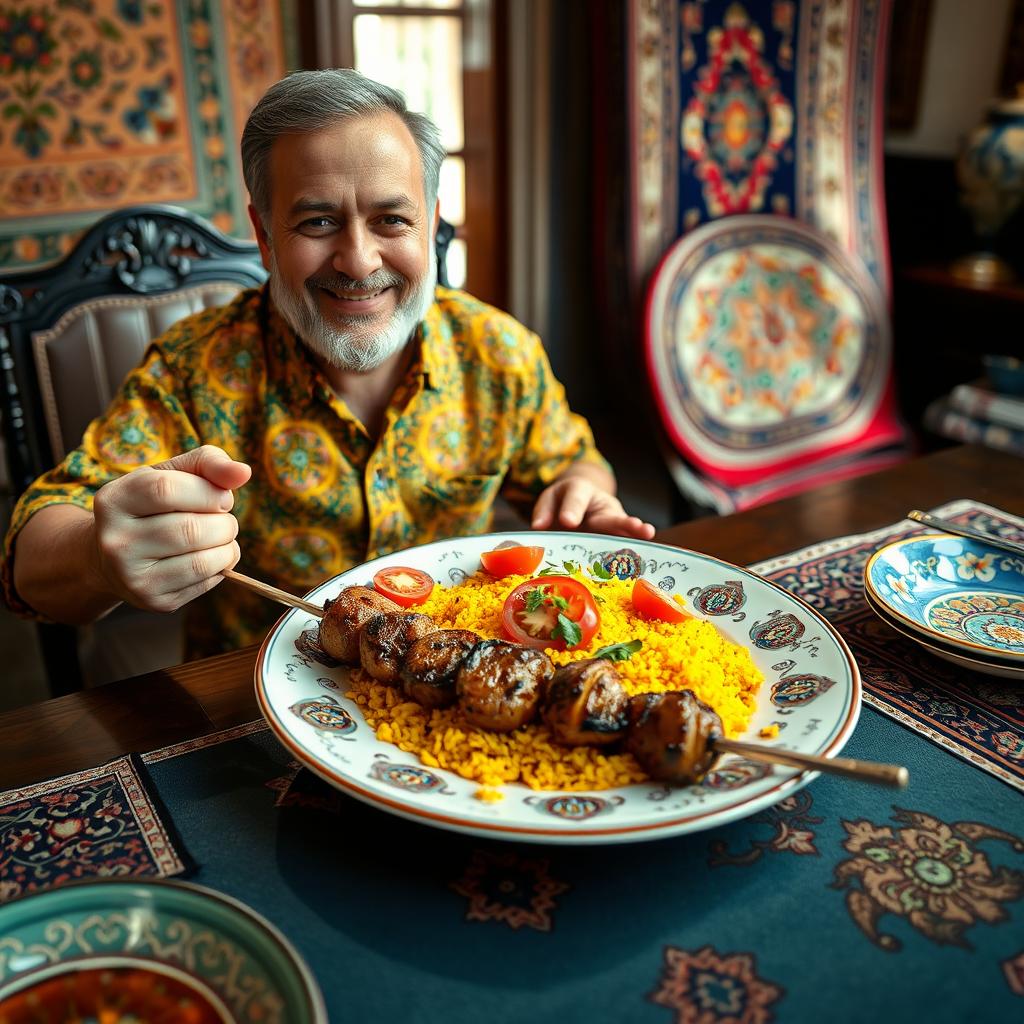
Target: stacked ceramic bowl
136,949
961,599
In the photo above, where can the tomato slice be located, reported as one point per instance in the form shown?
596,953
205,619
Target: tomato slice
403,585
650,602
512,560
530,614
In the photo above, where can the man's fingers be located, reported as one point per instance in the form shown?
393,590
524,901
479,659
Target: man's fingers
211,463
173,582
543,510
620,525
177,533
148,492
576,500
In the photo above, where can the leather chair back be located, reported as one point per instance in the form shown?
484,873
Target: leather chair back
83,358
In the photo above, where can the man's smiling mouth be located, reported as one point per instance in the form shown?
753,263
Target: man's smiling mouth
354,296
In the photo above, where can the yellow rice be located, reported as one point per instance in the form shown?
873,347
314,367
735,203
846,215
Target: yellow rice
675,656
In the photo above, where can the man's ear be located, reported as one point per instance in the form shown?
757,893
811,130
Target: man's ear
437,218
262,238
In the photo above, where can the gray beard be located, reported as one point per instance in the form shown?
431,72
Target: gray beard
351,348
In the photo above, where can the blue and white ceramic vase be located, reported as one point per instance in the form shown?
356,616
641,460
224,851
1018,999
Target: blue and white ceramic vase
990,172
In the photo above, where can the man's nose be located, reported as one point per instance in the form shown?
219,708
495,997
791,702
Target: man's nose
357,254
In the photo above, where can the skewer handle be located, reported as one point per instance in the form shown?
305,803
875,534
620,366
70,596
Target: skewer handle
281,596
866,771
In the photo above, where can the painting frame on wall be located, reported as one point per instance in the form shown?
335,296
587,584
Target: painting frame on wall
112,103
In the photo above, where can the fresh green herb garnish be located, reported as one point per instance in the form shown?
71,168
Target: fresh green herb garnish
619,652
535,598
571,567
598,570
567,630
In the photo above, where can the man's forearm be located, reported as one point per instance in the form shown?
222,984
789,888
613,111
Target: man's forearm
56,568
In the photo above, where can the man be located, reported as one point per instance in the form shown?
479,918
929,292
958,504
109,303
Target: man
355,408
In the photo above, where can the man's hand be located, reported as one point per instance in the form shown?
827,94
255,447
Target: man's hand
583,498
164,533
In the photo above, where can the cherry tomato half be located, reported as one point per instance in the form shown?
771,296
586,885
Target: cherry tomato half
651,602
530,614
512,560
403,585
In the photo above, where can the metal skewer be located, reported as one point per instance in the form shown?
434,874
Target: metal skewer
966,531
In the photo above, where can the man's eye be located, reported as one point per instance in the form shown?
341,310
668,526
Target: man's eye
316,224
392,220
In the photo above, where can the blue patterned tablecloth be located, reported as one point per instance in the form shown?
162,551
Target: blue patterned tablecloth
845,902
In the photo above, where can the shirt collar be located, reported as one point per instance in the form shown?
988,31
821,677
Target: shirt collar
437,347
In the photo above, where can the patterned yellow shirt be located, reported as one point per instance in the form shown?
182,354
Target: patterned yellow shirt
478,411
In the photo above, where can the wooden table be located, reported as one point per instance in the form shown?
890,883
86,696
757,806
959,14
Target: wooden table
84,729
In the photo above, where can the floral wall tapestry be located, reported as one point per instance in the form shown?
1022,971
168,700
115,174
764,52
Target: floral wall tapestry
757,106
111,103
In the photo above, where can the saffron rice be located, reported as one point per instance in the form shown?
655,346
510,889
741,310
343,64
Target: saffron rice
675,656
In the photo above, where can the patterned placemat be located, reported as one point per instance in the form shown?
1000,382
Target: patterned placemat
977,717
99,822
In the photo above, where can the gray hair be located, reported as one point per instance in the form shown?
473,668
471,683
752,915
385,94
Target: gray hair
309,101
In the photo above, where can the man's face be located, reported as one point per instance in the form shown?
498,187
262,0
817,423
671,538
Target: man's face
348,239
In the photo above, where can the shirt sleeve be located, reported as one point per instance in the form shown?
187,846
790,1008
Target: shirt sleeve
145,423
554,437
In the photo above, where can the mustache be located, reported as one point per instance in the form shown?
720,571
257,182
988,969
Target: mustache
377,281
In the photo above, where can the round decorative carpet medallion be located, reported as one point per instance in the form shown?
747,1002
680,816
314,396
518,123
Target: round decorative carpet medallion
765,343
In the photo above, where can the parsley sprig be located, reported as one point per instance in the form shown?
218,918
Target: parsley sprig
565,628
620,652
596,570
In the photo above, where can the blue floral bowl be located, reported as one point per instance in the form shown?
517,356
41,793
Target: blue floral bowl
954,590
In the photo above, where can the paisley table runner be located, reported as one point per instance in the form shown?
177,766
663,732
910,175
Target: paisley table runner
977,717
102,821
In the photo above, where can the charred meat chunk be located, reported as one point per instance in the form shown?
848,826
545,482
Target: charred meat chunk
500,684
672,735
429,670
345,616
586,704
385,640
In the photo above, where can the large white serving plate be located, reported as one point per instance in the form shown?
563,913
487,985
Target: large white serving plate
812,689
